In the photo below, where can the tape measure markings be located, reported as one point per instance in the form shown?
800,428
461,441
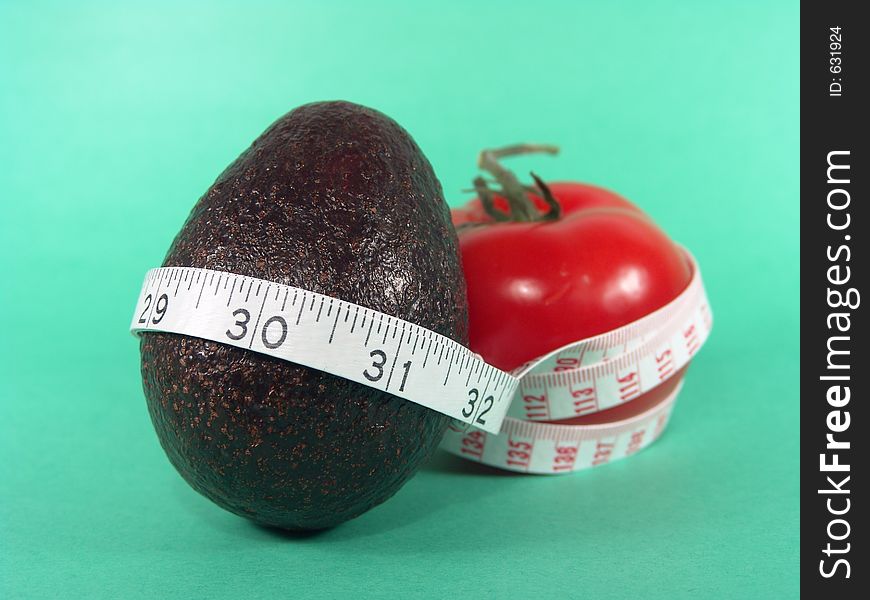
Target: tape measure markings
623,336
555,388
579,379
624,360
373,348
589,376
559,397
629,338
544,448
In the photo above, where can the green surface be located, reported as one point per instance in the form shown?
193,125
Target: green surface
114,119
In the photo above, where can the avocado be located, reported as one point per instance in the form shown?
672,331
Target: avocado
338,199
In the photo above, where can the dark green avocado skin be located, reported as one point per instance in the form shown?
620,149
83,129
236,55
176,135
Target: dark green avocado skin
338,199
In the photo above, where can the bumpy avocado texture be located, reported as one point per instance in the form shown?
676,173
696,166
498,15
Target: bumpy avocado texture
338,199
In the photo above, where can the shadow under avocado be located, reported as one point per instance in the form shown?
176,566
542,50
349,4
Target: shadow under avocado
287,535
412,504
450,497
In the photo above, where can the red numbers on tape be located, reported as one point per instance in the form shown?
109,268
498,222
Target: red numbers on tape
585,400
665,364
603,450
519,453
566,364
691,337
635,370
536,406
551,448
565,458
629,385
473,443
636,442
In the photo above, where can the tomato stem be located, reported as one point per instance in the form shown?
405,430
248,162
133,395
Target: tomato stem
555,208
486,199
521,206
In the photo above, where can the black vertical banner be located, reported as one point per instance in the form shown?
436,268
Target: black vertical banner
834,264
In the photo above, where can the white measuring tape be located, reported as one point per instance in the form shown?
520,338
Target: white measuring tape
547,448
419,365
644,358
328,334
618,366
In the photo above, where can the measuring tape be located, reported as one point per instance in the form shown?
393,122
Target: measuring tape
644,359
546,448
618,366
338,337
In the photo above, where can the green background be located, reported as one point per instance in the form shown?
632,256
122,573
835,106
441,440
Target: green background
115,117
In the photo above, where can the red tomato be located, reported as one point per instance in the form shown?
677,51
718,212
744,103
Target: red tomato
536,286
